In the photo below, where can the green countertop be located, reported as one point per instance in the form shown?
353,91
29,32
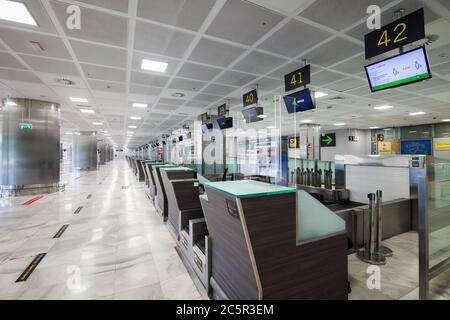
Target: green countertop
183,180
153,162
249,189
163,166
177,169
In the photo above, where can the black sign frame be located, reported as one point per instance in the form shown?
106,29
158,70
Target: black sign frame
222,110
204,117
324,140
397,34
250,98
291,80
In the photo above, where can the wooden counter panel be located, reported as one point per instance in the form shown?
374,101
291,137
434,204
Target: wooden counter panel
231,264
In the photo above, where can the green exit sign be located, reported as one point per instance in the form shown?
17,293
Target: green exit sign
26,126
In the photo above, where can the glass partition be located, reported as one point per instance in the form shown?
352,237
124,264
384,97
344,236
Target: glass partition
434,223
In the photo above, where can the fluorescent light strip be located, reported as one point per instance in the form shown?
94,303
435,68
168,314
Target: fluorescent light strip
87,111
339,124
135,118
140,105
132,127
16,12
383,107
446,120
79,100
151,65
319,94
420,113
97,123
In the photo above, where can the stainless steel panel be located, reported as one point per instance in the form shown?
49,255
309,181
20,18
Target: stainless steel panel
85,151
29,157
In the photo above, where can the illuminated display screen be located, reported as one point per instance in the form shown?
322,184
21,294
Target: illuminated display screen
406,68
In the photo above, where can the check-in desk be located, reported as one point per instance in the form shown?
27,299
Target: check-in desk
187,196
160,198
149,179
272,242
140,170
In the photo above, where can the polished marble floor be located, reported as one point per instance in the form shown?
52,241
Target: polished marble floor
117,247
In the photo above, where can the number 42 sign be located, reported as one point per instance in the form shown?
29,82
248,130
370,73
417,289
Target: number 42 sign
397,34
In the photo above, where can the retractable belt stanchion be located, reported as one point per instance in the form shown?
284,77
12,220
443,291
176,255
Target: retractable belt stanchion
369,253
385,251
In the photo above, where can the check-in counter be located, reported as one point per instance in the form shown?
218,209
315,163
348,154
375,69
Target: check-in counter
187,199
150,180
272,242
140,170
160,198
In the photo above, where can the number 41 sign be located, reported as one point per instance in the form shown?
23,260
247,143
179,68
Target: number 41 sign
397,34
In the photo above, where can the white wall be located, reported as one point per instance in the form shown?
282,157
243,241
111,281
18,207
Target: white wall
343,146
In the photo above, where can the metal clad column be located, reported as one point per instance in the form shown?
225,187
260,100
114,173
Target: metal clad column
85,151
29,147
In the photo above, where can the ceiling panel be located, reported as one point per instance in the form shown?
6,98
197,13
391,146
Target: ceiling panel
173,102
156,39
97,54
204,98
143,90
51,65
439,55
184,84
198,72
346,84
181,13
8,61
107,86
148,79
259,63
243,22
165,107
96,26
117,5
325,77
333,52
103,73
294,38
19,41
235,78
338,14
215,53
218,89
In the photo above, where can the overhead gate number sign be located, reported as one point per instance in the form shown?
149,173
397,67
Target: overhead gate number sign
397,34
298,78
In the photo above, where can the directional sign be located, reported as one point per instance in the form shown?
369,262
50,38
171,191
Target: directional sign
328,140
380,137
204,117
222,110
250,98
294,143
26,126
397,34
298,78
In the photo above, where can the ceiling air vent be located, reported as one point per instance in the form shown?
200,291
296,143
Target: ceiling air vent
65,82
37,47
337,98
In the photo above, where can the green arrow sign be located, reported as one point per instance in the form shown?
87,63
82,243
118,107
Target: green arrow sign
328,140
26,126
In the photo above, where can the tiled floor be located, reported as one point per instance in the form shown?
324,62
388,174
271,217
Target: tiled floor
118,248
117,243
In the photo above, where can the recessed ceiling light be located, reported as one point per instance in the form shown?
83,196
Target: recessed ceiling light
130,132
151,65
373,128
339,124
383,107
446,120
87,110
132,127
319,94
419,113
16,12
103,131
97,123
140,105
79,100
135,118
271,127
178,95
306,121
69,133
10,103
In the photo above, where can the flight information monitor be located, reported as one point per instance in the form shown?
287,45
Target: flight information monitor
403,69
225,123
299,101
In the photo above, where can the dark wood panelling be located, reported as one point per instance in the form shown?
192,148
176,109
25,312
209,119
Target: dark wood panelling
317,270
231,264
